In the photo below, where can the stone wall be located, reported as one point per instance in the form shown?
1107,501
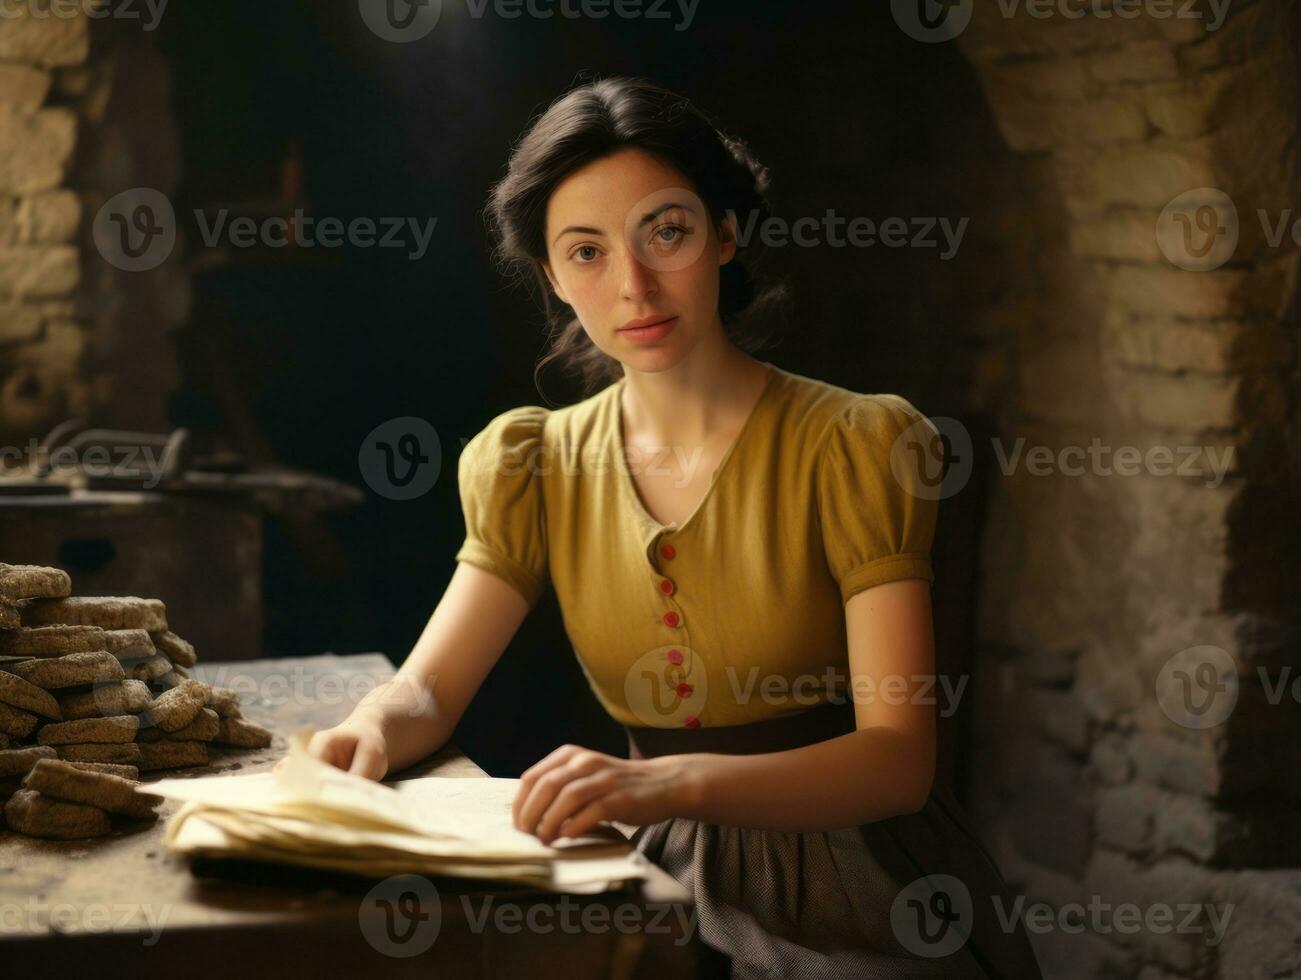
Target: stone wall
1103,593
84,115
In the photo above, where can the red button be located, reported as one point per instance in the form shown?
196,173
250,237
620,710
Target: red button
691,721
675,656
666,587
668,551
672,618
684,690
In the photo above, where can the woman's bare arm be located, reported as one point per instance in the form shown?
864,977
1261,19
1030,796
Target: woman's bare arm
417,710
884,769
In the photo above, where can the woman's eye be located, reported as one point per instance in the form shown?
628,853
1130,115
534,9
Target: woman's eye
669,237
585,253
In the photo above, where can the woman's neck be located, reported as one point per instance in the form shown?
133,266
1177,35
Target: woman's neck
709,392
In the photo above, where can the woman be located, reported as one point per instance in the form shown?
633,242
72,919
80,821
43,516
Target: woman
753,604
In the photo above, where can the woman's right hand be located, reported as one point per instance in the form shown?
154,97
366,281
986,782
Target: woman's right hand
357,745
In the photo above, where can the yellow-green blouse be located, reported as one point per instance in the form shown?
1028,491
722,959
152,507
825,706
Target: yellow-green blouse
736,614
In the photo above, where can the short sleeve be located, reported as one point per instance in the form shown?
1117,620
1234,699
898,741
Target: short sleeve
500,480
876,511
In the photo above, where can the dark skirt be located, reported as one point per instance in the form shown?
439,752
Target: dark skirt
913,896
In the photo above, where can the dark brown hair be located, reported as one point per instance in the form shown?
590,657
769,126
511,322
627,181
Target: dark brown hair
590,122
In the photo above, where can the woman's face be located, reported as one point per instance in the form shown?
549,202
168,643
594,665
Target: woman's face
629,243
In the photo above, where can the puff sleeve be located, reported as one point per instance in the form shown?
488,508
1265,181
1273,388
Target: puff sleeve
499,475
877,514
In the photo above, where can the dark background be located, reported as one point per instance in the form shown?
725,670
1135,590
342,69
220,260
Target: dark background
304,358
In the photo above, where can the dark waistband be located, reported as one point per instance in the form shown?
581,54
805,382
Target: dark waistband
776,735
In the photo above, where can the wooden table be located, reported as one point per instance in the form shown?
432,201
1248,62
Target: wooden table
123,903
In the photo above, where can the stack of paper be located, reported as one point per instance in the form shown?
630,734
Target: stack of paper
313,814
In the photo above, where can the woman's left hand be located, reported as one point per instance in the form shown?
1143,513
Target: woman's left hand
572,789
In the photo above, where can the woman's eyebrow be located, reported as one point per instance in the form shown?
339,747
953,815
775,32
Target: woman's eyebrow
646,219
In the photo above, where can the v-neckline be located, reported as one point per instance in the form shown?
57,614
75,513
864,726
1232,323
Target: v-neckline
621,459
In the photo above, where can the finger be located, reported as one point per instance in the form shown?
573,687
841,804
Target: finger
532,774
329,748
576,762
588,817
368,761
576,795
540,797
338,752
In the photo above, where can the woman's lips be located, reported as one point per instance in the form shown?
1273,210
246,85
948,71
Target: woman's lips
645,335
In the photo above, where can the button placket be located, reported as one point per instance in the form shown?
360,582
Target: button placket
673,619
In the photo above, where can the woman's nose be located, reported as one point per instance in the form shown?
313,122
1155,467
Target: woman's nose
638,279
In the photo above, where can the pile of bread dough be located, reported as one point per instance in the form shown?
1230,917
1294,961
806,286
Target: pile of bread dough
93,691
